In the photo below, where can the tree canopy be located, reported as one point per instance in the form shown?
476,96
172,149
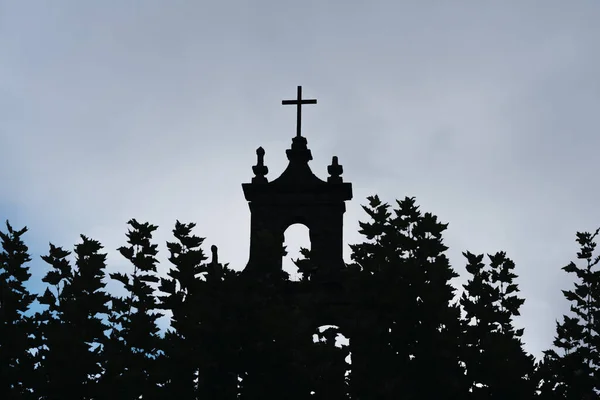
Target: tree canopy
235,335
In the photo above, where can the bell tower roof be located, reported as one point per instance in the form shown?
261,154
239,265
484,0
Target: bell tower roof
296,196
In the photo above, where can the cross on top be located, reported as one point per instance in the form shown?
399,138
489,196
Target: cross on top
298,102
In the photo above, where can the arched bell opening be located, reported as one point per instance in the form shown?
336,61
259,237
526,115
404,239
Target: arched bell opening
296,237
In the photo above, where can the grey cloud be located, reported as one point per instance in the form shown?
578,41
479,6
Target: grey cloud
484,112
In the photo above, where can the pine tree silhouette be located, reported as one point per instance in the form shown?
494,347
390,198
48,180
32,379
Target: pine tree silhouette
134,345
496,363
411,332
17,376
72,328
574,371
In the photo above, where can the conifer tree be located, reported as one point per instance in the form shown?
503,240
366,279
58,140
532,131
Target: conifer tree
412,330
72,327
197,347
181,286
17,379
574,371
497,365
134,344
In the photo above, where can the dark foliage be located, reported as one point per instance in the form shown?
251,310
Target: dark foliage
493,352
238,335
200,347
133,345
410,330
574,371
17,379
71,328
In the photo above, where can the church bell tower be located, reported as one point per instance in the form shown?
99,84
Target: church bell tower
297,196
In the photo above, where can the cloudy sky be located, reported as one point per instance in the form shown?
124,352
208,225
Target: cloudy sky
486,112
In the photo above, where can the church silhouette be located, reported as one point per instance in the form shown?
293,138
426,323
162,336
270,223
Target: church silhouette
296,196
321,303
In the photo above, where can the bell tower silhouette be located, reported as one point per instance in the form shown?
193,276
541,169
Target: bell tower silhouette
297,196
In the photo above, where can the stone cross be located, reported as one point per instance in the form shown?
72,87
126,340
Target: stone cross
298,102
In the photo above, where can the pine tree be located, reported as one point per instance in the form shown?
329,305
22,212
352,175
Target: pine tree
197,348
72,327
412,329
574,371
181,352
17,378
134,344
496,362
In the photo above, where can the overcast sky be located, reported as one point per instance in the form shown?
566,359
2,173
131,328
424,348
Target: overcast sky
486,112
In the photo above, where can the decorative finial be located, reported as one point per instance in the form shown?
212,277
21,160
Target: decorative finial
335,171
215,256
260,169
260,155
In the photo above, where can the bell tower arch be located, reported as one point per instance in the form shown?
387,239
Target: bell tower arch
296,196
